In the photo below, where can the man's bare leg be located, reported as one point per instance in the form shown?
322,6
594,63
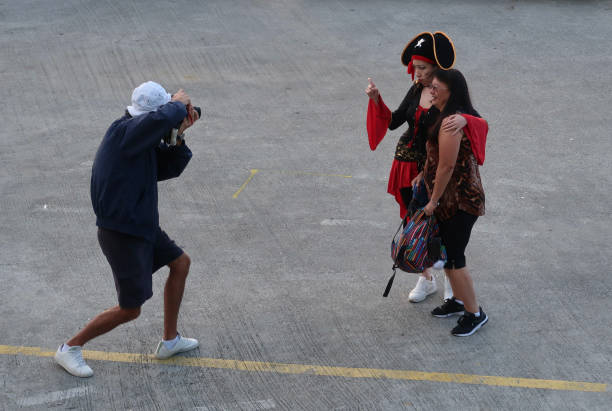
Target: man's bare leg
173,294
103,323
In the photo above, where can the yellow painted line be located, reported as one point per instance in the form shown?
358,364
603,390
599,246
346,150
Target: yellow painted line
307,173
237,193
255,171
280,368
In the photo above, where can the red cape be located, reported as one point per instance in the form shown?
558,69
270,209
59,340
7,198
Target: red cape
379,117
476,131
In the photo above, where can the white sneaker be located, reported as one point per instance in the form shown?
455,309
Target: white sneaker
422,289
448,290
182,345
73,362
439,265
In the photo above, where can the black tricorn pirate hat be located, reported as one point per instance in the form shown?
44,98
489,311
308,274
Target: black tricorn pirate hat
436,47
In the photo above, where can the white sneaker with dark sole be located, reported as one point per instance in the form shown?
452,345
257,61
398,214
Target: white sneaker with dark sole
182,345
72,361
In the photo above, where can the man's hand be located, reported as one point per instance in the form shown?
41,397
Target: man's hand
182,97
372,91
192,117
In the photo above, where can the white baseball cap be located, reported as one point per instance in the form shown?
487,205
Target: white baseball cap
147,97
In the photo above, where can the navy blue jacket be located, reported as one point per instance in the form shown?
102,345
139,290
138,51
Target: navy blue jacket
130,161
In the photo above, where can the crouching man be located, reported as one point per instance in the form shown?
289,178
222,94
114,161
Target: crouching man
130,161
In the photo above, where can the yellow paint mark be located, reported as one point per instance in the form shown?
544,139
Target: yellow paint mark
255,171
280,368
314,174
237,193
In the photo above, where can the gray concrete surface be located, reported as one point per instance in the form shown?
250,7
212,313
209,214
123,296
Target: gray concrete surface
292,269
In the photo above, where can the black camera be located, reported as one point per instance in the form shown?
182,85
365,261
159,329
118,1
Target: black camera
170,138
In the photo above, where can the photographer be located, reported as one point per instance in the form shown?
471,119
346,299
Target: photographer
129,162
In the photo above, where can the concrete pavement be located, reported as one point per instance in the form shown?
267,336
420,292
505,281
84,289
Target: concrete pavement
289,262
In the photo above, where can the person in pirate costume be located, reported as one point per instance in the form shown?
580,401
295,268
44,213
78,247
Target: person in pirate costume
422,55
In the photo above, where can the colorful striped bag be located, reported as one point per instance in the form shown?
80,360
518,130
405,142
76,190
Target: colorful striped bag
415,247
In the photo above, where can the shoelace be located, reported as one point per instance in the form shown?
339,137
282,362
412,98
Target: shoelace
467,319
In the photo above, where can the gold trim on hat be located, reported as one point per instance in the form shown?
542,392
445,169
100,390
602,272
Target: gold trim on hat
436,53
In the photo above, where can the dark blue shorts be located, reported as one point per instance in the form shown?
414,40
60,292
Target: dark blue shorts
134,260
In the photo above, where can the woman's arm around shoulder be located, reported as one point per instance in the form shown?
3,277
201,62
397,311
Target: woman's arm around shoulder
449,142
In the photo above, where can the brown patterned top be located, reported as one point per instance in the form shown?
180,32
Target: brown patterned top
464,190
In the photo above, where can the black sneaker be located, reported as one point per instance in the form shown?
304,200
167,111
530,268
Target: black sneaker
468,324
449,308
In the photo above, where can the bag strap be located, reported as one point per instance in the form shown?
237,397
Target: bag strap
390,283
401,226
431,223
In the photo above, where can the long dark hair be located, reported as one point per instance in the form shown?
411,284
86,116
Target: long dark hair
458,101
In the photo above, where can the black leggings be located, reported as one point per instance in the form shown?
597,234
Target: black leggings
455,233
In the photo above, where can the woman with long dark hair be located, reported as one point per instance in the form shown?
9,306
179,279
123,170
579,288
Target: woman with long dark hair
455,191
